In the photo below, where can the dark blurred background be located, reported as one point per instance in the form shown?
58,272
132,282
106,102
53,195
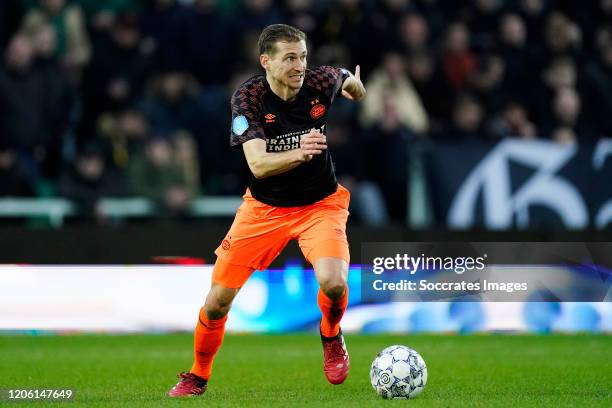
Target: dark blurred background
482,116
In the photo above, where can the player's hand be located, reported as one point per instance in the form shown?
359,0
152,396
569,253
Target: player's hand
353,88
313,143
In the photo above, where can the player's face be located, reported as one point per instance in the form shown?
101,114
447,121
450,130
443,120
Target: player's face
288,63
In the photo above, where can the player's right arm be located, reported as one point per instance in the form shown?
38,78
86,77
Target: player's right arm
264,164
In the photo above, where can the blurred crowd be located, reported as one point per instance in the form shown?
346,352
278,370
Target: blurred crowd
131,97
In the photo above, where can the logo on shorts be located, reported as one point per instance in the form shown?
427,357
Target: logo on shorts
225,245
339,232
317,110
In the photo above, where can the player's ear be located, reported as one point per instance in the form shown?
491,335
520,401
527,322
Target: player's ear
263,60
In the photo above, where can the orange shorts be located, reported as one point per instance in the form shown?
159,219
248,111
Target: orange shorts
260,232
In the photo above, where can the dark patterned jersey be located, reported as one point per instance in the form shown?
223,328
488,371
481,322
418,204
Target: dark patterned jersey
258,113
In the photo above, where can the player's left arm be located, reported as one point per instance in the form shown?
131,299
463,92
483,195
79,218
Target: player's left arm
353,88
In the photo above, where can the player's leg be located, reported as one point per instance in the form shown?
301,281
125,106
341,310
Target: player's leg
210,328
253,241
322,238
332,275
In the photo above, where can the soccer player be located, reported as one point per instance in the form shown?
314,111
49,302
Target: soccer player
279,120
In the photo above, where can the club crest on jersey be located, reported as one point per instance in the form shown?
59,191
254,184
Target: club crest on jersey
317,111
239,125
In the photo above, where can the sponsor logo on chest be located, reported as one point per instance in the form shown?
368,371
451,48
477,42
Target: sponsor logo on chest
287,141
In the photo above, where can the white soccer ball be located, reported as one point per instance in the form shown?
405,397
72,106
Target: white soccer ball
398,372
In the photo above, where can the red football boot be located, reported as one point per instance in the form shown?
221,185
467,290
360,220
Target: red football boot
190,385
336,365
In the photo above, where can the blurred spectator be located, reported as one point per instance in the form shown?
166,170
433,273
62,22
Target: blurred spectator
564,136
249,51
44,40
413,34
392,79
347,150
483,19
73,47
88,180
185,155
558,74
219,163
10,16
604,12
254,15
35,102
385,18
598,75
333,54
431,86
467,118
512,121
158,20
100,15
519,58
367,203
209,59
125,133
116,75
562,36
345,22
301,14
586,15
156,174
387,159
534,13
488,76
176,102
14,178
487,81
173,103
223,169
436,13
457,61
566,113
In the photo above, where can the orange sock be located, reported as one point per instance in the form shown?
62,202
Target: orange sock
207,339
332,313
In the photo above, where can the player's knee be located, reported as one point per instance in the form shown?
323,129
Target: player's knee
218,302
334,287
216,310
332,274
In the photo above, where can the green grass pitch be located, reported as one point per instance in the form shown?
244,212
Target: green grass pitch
285,370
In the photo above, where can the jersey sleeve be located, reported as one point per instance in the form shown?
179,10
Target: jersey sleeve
328,80
246,117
